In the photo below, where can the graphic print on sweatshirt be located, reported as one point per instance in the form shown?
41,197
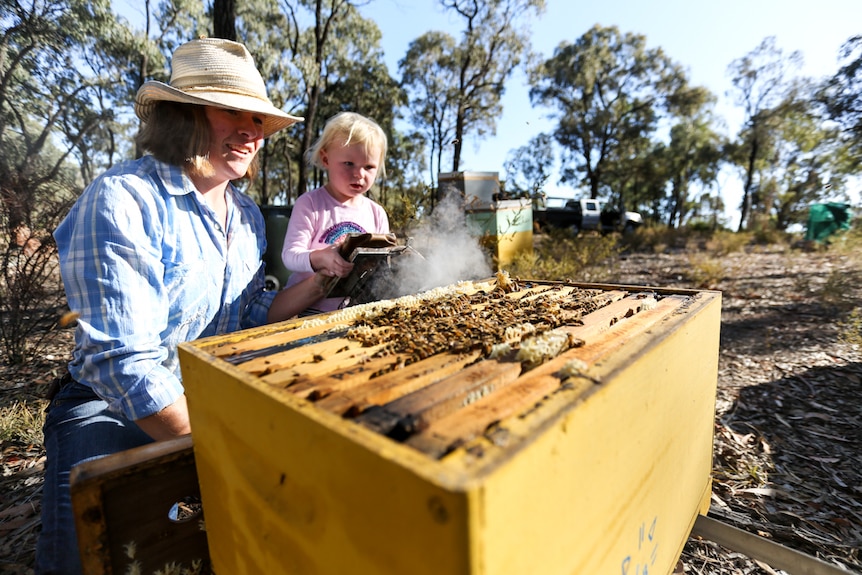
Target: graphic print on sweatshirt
335,232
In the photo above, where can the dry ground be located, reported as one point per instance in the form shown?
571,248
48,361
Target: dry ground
787,464
788,428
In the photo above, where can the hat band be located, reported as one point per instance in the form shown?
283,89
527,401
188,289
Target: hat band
234,91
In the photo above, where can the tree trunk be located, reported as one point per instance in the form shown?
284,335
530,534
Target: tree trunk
459,131
224,19
307,133
749,183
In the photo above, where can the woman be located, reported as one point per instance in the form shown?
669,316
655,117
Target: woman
157,251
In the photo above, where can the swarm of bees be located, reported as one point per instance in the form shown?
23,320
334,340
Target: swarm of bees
462,322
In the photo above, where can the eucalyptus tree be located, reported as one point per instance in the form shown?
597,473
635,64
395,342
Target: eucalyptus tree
176,22
808,164
693,157
652,174
766,90
337,36
62,88
61,93
608,92
629,176
493,44
429,77
842,96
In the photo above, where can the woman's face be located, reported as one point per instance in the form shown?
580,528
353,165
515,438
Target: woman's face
235,138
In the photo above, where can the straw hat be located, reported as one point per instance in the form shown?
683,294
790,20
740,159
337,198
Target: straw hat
214,72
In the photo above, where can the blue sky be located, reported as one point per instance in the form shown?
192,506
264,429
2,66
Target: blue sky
702,36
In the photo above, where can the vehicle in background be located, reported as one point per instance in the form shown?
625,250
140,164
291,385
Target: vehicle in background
589,214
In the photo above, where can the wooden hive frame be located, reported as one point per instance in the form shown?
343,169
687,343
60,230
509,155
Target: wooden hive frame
123,505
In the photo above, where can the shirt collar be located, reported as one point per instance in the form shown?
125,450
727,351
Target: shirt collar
175,178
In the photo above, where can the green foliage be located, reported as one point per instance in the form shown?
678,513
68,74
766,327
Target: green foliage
428,76
807,166
692,157
842,95
560,256
493,42
608,92
783,149
66,77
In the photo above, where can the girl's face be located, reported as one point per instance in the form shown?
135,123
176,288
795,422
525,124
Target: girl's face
351,169
235,139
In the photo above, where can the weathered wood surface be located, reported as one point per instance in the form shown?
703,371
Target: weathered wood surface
600,338
397,383
417,410
122,504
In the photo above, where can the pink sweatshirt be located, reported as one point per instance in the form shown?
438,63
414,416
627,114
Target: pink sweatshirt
318,220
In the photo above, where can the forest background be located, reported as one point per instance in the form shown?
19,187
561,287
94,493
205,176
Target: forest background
626,122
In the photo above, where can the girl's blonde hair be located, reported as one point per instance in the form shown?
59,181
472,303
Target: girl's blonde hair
347,128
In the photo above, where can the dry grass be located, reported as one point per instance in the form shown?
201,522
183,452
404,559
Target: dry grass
558,255
21,422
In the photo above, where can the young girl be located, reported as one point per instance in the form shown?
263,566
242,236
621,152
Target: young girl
352,150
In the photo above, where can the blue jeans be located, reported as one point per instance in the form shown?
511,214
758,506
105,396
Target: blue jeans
78,428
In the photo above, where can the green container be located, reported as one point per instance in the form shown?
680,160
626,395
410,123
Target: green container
276,218
826,219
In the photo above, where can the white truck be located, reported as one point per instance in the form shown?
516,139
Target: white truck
587,214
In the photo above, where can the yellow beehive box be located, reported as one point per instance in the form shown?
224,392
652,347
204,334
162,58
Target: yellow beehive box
596,461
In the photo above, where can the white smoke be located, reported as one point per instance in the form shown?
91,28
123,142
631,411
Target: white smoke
450,252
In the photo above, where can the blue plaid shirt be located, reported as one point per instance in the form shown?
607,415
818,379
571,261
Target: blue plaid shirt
147,266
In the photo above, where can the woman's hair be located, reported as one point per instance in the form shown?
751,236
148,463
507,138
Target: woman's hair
179,134
346,128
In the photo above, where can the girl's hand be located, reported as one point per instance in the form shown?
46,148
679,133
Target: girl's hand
328,261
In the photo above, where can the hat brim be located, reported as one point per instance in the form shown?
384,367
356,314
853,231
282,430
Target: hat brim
154,91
